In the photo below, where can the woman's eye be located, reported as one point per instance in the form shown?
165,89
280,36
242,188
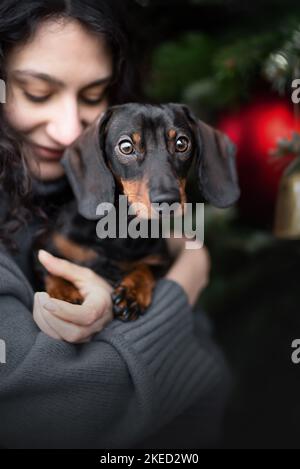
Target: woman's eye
182,144
35,98
92,101
126,147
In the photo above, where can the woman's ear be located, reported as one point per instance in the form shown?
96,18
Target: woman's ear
86,169
215,163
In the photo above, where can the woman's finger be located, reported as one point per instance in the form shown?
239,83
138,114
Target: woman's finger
82,277
39,299
63,268
70,332
92,309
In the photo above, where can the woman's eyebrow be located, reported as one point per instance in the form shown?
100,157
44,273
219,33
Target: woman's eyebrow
49,79
19,74
101,81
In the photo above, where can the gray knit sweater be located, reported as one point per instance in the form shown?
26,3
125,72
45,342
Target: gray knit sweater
127,384
110,393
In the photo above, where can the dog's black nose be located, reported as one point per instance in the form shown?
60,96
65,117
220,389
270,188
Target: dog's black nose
170,198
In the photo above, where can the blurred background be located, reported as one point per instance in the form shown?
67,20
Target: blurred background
233,63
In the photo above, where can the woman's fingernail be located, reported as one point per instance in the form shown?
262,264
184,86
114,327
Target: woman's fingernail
44,253
50,306
45,301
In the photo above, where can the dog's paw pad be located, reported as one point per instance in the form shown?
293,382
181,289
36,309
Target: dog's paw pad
125,306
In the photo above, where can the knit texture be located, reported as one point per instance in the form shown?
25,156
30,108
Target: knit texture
123,386
126,385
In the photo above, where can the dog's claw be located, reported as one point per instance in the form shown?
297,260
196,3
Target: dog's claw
117,298
122,313
125,307
119,288
126,315
117,310
135,309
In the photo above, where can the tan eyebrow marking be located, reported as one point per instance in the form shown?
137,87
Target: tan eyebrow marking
137,140
172,133
136,137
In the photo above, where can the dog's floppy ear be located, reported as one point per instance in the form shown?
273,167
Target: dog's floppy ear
85,167
216,165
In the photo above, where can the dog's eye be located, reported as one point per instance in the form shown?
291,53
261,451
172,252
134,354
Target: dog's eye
126,147
182,144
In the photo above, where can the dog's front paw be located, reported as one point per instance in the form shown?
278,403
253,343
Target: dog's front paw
133,295
125,305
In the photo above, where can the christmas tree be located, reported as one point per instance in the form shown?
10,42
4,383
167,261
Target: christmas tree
235,64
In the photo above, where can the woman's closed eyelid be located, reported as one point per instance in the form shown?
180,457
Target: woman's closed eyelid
36,98
92,101
38,90
36,94
39,99
93,95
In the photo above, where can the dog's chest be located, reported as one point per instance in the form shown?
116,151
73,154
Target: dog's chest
75,238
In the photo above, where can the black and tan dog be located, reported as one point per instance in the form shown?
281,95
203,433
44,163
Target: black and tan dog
144,152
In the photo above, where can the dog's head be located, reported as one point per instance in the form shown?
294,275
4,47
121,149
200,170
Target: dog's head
146,152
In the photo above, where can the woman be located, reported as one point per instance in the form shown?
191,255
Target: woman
64,63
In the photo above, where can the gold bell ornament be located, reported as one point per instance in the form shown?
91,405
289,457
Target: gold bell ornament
287,212
282,69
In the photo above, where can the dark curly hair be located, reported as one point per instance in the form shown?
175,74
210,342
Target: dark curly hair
18,23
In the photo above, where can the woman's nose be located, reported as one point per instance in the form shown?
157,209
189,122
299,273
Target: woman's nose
65,125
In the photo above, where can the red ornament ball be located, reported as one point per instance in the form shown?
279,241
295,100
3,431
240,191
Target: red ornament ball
256,130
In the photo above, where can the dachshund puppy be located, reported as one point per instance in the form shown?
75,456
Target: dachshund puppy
144,152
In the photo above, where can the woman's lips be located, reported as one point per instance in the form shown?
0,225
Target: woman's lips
46,153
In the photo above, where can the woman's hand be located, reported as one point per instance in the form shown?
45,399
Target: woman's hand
190,269
66,321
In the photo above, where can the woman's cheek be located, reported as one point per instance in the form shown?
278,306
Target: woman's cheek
21,115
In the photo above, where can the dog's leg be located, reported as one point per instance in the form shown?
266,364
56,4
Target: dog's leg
61,289
133,294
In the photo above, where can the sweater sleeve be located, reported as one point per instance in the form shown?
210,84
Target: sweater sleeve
112,392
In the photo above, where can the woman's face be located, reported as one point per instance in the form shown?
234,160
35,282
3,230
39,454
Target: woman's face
56,85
